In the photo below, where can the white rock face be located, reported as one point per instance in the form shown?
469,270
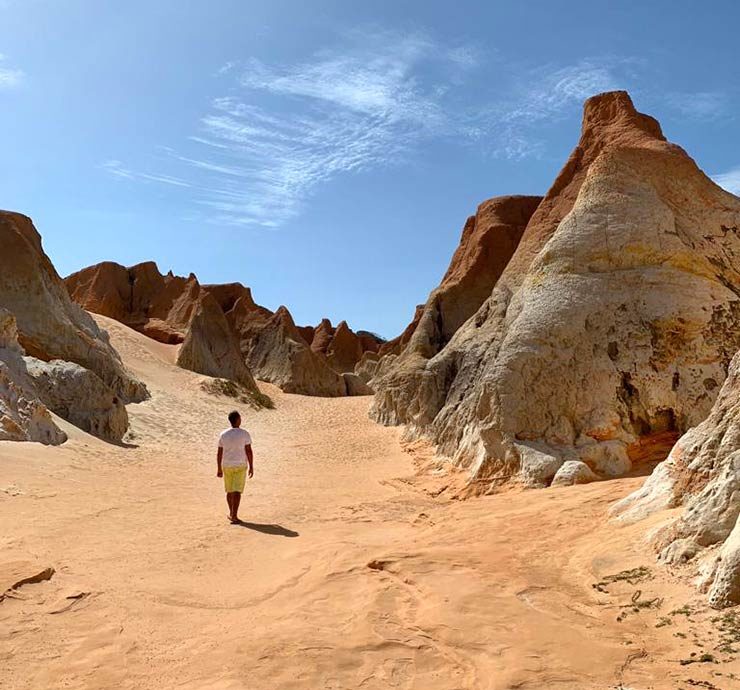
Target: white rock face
488,241
22,416
573,472
725,590
79,396
611,329
702,473
50,325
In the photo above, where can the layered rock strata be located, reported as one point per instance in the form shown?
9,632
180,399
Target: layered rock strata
610,330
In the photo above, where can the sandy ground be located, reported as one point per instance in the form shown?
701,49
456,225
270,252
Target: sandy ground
352,569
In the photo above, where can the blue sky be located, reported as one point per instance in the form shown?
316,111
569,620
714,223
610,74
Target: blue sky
328,153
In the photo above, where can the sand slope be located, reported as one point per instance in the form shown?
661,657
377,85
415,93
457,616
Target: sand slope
349,573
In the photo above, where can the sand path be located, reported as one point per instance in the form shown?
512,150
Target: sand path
348,574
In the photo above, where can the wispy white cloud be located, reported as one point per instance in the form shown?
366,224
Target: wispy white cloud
368,104
379,78
545,94
468,56
551,92
284,131
9,76
226,67
701,105
729,180
118,169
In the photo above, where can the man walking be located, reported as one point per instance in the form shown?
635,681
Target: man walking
233,457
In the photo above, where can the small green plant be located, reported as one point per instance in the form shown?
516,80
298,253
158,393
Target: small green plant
728,625
230,389
685,610
704,658
632,577
638,604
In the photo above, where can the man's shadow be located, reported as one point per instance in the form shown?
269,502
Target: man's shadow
277,530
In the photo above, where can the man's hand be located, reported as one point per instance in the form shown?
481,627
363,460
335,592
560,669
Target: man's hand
219,472
250,459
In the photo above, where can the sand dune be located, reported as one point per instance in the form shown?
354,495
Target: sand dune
355,567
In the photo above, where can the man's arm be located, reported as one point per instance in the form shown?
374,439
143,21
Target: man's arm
250,459
219,455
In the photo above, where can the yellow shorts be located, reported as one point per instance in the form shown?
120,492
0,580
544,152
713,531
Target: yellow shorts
234,478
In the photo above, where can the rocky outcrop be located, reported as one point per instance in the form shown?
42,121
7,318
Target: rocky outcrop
228,294
612,325
355,385
488,242
79,396
307,333
345,349
379,360
23,417
342,347
367,366
573,472
50,325
398,344
701,474
322,336
160,306
278,352
163,307
370,342
211,348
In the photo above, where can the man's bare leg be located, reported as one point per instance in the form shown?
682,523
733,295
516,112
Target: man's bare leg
233,498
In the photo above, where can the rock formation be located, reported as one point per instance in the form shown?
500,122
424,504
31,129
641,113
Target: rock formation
307,333
50,325
398,344
228,294
610,329
702,474
573,472
278,352
163,307
211,348
342,347
322,335
355,385
488,241
370,342
22,416
367,366
79,396
160,306
378,360
345,349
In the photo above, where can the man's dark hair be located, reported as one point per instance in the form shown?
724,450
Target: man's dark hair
233,416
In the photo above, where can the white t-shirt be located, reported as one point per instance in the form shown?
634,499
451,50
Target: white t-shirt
233,441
